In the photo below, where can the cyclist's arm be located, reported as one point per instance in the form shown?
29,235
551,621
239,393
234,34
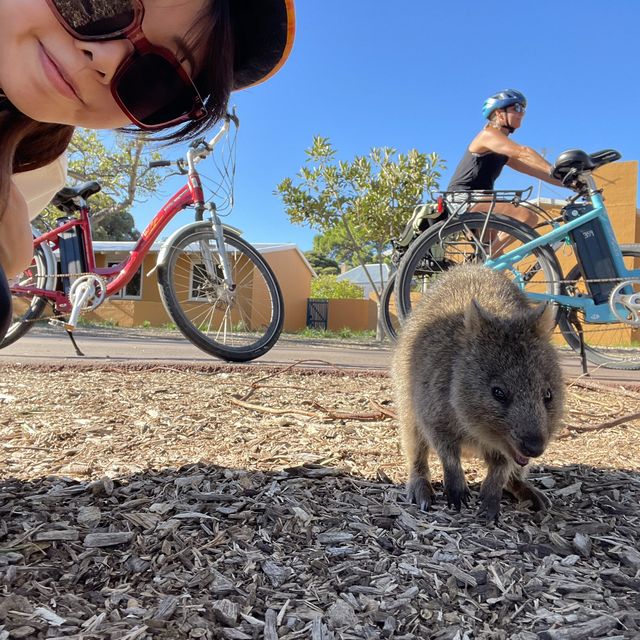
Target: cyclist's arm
16,241
521,158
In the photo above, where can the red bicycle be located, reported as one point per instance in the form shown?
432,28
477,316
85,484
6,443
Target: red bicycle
217,288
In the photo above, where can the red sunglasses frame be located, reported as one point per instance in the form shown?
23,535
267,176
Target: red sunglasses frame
141,47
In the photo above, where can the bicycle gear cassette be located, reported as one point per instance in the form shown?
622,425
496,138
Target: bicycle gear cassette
625,305
91,289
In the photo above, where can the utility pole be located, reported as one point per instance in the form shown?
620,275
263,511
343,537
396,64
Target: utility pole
543,153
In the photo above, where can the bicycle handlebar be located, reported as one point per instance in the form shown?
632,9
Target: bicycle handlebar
199,149
154,164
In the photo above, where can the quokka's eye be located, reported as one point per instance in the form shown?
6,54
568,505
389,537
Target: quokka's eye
500,395
548,396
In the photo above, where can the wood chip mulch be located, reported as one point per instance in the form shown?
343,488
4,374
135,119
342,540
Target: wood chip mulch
173,503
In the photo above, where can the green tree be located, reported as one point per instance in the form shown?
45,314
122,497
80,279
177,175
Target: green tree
327,286
335,244
368,200
120,164
321,264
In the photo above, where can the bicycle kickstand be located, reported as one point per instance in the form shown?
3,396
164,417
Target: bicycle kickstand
574,320
59,323
73,341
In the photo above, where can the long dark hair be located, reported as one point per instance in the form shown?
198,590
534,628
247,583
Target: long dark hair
25,145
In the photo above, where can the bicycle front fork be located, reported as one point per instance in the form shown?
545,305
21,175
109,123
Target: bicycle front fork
218,232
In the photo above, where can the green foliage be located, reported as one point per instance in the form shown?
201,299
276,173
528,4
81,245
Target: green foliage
321,264
120,164
327,286
344,334
116,226
358,205
335,244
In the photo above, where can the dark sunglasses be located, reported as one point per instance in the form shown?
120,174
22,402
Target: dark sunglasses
150,86
519,107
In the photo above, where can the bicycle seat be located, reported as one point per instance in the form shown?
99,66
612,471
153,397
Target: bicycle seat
66,195
581,161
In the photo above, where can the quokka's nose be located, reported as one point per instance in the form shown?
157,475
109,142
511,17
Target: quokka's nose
532,445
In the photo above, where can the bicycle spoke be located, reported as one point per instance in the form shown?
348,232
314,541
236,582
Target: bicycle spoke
233,316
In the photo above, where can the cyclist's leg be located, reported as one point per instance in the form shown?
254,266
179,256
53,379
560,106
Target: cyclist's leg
522,214
5,304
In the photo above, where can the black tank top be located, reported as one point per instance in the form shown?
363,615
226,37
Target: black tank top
477,171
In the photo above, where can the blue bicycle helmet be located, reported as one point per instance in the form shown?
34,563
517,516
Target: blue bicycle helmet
502,100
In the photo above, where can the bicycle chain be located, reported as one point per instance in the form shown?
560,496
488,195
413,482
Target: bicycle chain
58,316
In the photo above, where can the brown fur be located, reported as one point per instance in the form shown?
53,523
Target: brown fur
474,331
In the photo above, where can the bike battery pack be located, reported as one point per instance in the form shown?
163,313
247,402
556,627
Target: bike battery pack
71,254
594,255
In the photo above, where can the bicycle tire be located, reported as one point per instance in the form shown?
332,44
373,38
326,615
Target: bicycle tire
26,311
597,351
222,323
468,238
385,316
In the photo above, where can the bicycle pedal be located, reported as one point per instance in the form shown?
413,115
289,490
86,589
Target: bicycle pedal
61,323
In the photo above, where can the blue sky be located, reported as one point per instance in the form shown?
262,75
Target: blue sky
414,73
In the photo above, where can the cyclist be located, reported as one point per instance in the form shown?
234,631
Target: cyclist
491,150
157,66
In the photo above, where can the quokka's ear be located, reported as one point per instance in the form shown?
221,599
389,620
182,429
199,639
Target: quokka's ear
543,316
475,317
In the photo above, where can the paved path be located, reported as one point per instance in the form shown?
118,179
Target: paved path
46,345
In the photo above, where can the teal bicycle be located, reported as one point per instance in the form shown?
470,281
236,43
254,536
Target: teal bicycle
597,302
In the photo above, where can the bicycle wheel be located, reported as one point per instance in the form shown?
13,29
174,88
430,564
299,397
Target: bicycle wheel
27,309
236,325
467,238
387,315
613,346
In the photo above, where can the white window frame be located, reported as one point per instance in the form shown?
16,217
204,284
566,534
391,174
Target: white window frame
122,294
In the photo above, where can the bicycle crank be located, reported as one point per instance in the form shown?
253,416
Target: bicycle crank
625,306
86,294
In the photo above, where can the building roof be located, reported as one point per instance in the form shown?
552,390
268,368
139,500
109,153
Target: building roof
358,276
552,202
115,246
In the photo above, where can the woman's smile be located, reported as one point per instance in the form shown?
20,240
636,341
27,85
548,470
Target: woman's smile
57,76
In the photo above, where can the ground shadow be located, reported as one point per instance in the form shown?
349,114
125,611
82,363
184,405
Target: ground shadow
311,552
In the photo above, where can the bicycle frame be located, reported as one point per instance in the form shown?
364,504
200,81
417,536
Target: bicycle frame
190,194
596,313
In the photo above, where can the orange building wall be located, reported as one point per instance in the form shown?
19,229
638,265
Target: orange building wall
289,267
294,277
359,315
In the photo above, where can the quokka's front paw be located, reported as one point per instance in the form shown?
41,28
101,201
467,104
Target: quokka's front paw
420,492
490,505
458,493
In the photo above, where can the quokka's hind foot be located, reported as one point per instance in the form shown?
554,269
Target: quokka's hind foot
525,491
420,492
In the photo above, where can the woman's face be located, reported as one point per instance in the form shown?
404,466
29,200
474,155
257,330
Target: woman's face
52,77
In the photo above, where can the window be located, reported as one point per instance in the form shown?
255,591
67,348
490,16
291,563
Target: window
201,284
133,289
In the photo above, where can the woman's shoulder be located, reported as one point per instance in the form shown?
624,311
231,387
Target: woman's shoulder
486,140
40,185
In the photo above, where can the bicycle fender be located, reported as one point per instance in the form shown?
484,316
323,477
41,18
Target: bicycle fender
194,226
50,260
